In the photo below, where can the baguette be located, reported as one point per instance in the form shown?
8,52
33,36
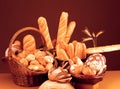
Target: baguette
70,30
63,45
61,54
43,27
70,50
101,49
78,50
62,27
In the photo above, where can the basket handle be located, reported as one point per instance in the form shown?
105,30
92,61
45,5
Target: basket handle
21,31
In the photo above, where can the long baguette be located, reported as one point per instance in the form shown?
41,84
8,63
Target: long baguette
101,49
62,27
43,27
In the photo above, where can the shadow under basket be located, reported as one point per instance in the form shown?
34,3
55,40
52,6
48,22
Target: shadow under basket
25,77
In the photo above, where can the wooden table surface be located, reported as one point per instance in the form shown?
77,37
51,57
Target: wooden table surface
111,80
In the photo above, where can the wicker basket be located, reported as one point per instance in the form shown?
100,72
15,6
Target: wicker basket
87,79
22,75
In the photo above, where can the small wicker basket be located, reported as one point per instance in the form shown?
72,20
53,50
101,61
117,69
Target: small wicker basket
87,79
22,75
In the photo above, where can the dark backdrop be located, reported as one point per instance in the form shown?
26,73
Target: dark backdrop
94,14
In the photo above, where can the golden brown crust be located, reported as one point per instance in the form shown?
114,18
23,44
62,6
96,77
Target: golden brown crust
83,51
42,61
43,27
62,55
23,61
70,50
78,50
70,30
88,71
49,66
29,44
36,67
62,27
101,49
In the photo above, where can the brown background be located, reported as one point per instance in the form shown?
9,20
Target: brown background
94,14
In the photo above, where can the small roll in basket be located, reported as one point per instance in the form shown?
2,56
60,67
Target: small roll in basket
22,75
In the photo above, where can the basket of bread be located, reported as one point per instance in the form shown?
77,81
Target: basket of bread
61,60
81,67
86,65
28,64
76,63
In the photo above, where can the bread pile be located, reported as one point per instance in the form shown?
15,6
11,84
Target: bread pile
29,55
73,52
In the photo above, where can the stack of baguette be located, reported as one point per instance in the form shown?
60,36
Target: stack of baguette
64,49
